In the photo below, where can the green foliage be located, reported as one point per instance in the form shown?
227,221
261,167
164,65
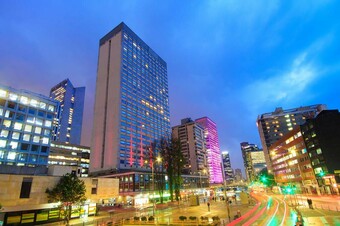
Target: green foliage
136,218
143,218
182,218
215,218
70,190
203,218
151,218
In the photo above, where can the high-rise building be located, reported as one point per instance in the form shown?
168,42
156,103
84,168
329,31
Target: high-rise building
213,149
291,163
247,150
26,124
238,175
131,103
70,116
321,136
227,170
258,161
191,136
272,126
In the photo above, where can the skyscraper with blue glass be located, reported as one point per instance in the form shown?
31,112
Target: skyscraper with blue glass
131,103
70,116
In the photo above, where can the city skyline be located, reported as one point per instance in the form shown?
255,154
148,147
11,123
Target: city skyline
228,61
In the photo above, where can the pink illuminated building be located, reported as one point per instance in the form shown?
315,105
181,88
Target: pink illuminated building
213,149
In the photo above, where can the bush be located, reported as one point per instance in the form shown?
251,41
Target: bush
151,218
136,218
182,218
143,218
204,218
193,218
215,218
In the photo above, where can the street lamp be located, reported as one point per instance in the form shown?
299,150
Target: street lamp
158,159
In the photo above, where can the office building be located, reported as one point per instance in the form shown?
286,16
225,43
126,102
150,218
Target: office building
131,104
70,115
191,136
258,161
321,136
213,149
272,126
68,158
228,173
291,163
238,175
26,124
247,150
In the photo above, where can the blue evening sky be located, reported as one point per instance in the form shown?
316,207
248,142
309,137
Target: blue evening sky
229,60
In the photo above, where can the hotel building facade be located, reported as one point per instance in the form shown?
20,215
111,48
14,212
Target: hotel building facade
131,104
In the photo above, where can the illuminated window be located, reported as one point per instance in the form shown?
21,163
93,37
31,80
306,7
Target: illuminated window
3,143
15,136
14,145
45,140
18,126
13,96
28,128
24,100
42,105
48,123
3,93
26,137
37,130
50,107
4,133
36,139
7,123
11,155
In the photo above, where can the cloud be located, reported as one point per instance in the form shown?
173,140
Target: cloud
283,86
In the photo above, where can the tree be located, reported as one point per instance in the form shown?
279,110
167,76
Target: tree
69,191
171,153
178,165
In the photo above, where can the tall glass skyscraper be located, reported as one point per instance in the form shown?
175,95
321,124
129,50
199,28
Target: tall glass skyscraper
26,124
70,116
213,149
131,104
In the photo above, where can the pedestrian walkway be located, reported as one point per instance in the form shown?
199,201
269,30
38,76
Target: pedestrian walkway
319,216
165,213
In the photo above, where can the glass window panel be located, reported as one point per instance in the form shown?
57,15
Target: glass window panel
15,136
34,103
37,130
48,123
45,140
39,122
11,155
50,107
36,139
18,126
26,137
14,145
4,133
13,96
28,128
24,100
42,105
3,143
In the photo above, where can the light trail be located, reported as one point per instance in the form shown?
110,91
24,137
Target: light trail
277,208
285,212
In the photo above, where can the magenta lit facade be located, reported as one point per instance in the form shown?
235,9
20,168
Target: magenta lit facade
213,149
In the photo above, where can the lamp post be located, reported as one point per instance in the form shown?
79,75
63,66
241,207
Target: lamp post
158,159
